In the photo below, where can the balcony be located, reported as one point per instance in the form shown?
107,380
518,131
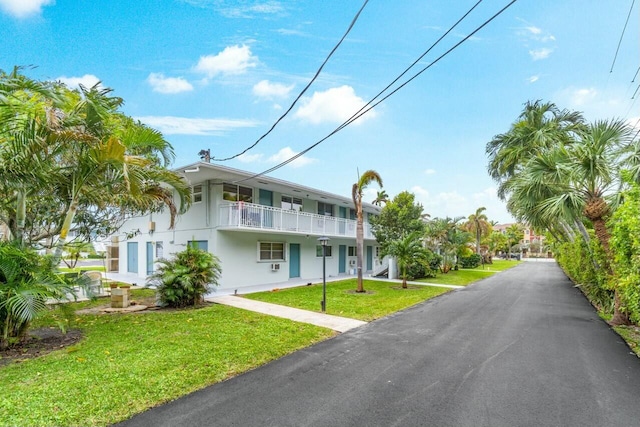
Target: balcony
252,217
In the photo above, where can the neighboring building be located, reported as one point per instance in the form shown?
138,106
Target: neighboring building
529,238
264,230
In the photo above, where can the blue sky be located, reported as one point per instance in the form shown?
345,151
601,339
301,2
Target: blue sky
216,74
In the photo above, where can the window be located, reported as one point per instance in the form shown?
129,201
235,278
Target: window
352,214
237,193
196,193
319,251
271,251
325,209
291,203
159,250
352,251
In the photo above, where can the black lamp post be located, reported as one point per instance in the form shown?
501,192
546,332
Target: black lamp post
324,241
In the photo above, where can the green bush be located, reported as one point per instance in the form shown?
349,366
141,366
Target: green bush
471,261
27,281
184,280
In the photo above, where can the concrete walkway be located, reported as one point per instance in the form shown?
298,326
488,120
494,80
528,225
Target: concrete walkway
340,324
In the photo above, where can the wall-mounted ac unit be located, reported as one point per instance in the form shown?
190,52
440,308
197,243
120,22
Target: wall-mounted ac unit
275,267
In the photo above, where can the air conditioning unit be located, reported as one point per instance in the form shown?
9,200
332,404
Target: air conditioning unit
275,267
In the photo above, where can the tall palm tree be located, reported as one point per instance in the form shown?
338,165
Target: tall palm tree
358,188
478,224
514,234
407,251
381,197
97,142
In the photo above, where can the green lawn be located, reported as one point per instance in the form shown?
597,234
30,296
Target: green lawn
127,363
382,299
465,276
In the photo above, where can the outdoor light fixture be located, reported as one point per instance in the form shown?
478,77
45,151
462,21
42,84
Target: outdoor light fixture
324,241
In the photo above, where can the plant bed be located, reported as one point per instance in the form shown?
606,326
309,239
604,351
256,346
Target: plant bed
40,341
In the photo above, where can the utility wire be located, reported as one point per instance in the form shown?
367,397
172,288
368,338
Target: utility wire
635,75
368,107
621,36
353,21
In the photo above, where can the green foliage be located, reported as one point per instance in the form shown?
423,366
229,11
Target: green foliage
582,263
398,218
184,280
27,281
471,261
625,245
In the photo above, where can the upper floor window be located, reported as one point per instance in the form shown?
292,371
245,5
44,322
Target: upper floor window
325,209
196,193
237,193
291,203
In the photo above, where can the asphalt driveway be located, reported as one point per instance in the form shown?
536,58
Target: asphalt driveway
522,348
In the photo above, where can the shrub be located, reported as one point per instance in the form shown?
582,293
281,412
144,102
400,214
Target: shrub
471,261
27,281
184,280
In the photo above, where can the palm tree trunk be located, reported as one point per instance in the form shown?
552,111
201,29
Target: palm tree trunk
21,214
359,251
66,226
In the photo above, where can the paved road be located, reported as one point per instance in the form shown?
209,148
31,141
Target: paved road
522,348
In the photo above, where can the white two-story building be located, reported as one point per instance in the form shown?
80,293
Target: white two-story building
263,230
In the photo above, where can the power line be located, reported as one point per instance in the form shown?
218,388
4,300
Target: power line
353,21
621,36
368,107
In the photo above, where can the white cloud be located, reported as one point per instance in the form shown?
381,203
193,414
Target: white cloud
542,53
533,79
533,30
88,81
24,8
232,60
170,125
333,105
163,84
268,90
430,171
582,96
286,153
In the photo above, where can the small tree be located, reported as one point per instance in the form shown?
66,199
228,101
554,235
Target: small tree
186,279
408,251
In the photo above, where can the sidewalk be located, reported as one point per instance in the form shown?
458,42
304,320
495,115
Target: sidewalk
340,324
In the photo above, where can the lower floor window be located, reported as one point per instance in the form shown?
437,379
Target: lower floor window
319,250
271,251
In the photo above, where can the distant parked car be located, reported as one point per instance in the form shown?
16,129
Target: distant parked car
515,256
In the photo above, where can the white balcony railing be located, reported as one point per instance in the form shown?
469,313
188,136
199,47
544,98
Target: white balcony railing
243,215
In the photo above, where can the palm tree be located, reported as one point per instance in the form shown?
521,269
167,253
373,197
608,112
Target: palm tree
478,223
407,251
381,197
356,193
540,126
98,154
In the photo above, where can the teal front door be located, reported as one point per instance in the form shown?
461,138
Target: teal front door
294,260
342,259
265,198
369,258
132,257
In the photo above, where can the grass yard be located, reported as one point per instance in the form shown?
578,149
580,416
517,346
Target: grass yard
382,298
127,363
466,276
